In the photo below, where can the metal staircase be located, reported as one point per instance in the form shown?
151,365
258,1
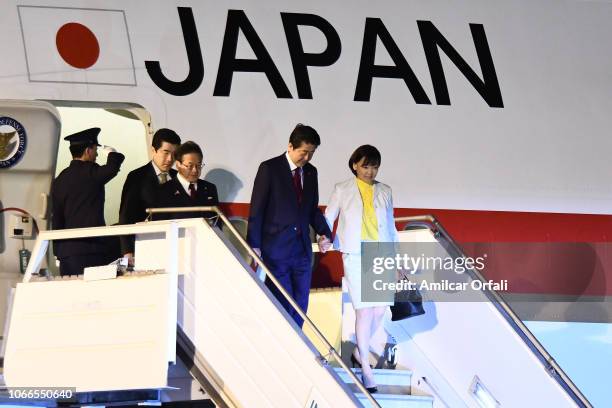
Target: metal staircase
394,390
237,342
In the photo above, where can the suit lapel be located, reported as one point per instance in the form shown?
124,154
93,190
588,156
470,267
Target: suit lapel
201,193
178,187
148,183
151,175
375,192
309,182
355,190
286,177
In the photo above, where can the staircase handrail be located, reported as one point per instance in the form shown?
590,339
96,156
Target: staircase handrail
431,223
331,350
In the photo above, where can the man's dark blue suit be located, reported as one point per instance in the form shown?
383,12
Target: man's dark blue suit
279,226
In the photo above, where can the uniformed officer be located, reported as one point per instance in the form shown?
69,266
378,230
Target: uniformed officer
78,202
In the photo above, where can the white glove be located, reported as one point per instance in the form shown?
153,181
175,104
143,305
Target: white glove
108,149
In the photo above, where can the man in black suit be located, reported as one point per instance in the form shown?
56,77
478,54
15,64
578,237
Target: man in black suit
186,189
77,196
284,203
141,185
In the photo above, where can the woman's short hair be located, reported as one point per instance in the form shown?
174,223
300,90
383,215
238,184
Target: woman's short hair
369,153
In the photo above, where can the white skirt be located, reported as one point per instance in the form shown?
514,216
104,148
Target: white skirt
352,274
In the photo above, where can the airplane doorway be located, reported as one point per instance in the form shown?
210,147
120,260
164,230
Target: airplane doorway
124,127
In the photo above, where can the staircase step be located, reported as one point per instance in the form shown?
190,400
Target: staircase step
398,401
388,381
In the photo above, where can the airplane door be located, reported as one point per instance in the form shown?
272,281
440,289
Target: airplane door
29,133
124,126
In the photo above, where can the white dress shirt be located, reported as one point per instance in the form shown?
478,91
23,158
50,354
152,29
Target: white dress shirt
158,172
292,167
185,183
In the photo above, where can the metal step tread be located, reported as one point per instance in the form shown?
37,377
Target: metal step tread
387,381
400,397
398,400
382,376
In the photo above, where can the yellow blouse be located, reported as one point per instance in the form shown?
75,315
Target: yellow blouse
369,223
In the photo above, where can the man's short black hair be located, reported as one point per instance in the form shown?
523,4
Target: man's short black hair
77,150
165,135
367,152
303,134
186,148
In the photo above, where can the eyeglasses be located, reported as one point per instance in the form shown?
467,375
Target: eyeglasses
192,167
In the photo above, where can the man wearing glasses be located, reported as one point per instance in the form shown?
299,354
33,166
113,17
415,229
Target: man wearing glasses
187,189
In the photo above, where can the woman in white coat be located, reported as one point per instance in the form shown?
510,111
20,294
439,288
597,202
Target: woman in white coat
364,208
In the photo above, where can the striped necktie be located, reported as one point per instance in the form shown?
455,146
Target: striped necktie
163,177
297,183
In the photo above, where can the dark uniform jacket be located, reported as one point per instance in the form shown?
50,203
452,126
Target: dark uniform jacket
172,194
276,220
77,195
139,192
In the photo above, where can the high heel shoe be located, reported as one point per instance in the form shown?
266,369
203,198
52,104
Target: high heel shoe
390,356
371,389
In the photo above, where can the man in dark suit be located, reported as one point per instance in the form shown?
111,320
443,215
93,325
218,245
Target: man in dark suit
284,203
186,189
142,184
77,196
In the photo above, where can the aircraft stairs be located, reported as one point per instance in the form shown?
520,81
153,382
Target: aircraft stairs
195,324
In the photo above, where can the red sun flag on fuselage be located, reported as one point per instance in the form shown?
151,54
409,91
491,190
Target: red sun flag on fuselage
77,45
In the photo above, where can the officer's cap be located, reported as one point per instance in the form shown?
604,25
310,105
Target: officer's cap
87,136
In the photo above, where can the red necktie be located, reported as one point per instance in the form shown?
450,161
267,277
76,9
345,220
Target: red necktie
192,190
297,183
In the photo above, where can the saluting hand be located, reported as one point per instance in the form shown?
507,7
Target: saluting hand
108,149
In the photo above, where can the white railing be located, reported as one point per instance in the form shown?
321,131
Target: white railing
331,350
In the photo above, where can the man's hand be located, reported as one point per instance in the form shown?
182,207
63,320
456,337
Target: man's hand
324,244
258,252
130,258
